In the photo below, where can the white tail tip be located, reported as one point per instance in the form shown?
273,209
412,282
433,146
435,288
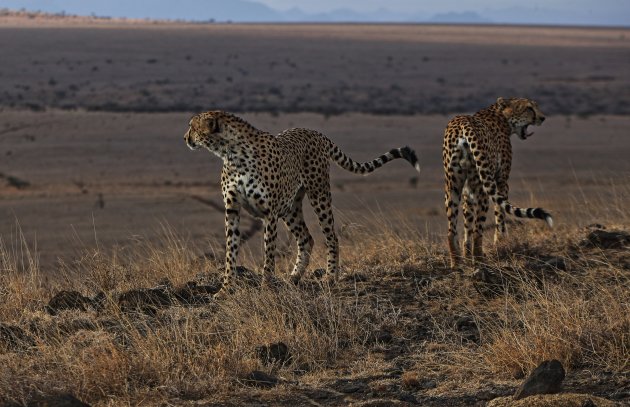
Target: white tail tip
417,165
549,220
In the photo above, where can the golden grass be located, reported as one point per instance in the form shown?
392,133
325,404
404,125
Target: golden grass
580,316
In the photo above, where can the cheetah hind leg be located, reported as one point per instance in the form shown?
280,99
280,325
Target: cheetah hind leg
480,220
452,199
295,222
322,205
468,213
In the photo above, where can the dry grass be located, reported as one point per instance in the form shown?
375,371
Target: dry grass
454,331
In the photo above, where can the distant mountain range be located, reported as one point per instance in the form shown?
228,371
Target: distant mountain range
253,11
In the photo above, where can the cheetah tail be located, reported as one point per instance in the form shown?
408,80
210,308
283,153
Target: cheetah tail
532,213
490,187
347,163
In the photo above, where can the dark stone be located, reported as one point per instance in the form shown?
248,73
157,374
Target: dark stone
408,397
75,325
428,384
195,294
604,239
545,379
467,326
383,336
66,300
588,403
98,301
13,338
274,353
558,263
62,400
349,386
260,379
147,300
248,277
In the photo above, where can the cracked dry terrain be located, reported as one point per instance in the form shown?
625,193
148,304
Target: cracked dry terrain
399,328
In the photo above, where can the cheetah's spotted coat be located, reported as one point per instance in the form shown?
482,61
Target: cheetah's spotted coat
270,175
477,156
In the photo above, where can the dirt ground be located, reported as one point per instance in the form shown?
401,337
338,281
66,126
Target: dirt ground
74,177
105,177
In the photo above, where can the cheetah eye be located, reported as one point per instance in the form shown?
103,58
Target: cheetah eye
531,110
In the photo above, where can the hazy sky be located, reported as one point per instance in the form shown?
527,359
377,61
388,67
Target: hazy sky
422,6
579,12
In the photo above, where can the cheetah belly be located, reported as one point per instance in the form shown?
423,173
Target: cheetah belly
252,197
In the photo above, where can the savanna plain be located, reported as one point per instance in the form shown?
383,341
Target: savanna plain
111,229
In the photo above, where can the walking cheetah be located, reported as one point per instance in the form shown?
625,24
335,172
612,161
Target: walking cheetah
270,175
477,157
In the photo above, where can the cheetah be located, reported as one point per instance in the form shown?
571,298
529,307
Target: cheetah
477,156
269,176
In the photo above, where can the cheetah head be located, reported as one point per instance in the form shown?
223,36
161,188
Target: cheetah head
206,130
521,113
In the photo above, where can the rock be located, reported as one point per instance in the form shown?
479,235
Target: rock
553,263
274,353
428,384
604,239
467,326
350,386
195,294
383,336
147,300
488,282
62,400
98,301
557,263
68,327
553,400
66,300
260,379
545,379
14,339
247,277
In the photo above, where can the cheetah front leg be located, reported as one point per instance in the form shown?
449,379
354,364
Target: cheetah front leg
232,242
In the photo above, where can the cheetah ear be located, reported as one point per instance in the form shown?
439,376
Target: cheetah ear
504,107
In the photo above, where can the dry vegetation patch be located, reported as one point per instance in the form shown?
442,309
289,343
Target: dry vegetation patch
399,327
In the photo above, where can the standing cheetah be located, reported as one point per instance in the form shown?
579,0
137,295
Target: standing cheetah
270,175
477,157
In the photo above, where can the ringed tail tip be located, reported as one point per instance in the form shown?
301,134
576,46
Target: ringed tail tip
549,220
409,154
